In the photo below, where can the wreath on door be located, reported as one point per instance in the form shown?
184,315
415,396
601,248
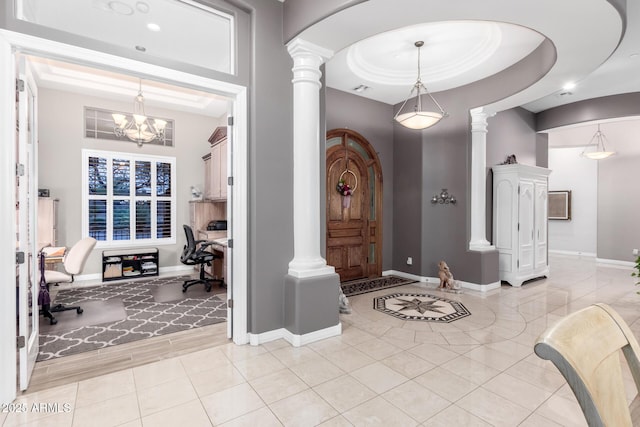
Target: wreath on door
345,189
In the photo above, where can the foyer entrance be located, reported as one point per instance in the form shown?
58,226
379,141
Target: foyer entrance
354,220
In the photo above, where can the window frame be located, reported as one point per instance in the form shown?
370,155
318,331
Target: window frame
153,198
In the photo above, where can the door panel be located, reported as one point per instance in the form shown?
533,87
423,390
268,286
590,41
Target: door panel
27,274
526,224
346,231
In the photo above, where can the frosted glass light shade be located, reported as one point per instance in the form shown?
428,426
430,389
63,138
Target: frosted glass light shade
419,119
598,155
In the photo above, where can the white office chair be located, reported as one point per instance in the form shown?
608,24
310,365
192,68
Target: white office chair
73,263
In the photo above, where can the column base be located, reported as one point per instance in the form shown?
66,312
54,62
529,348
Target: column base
311,304
481,245
310,268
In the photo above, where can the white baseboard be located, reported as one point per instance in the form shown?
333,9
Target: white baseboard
615,263
293,339
574,253
436,281
410,276
175,270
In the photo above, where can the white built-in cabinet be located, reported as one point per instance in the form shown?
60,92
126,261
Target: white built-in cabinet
520,232
215,175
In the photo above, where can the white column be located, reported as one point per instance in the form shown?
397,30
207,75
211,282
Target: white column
479,240
307,59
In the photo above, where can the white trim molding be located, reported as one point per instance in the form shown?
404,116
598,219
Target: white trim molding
435,281
293,339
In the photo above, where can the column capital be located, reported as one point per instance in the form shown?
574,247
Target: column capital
298,47
479,118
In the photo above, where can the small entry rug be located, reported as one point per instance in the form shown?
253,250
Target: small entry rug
363,286
117,313
424,307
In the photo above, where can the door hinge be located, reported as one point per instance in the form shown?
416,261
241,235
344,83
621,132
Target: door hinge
19,257
518,226
21,341
518,189
230,243
229,180
518,263
229,303
230,121
19,169
20,85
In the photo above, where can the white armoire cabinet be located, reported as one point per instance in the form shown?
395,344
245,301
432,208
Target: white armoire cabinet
520,221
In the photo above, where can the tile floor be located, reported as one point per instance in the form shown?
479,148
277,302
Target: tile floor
477,371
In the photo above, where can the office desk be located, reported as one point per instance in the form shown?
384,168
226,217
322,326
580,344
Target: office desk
219,247
53,256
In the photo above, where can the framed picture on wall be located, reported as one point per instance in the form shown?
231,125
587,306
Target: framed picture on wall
560,205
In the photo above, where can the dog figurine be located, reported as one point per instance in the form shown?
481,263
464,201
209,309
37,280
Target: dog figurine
447,283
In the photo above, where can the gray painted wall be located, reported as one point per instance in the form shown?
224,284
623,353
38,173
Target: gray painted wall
512,132
606,107
618,206
300,14
371,119
61,139
271,160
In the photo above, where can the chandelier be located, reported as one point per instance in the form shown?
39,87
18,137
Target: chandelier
596,149
417,118
138,127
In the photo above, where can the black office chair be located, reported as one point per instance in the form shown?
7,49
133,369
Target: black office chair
195,253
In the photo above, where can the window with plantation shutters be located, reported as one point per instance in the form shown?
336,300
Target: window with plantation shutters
128,199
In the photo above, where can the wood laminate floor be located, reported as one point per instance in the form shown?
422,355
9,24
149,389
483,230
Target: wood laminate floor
69,369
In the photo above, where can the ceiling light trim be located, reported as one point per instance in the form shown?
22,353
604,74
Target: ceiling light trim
485,37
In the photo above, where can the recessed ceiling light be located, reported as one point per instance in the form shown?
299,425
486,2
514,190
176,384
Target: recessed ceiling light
361,88
142,7
634,56
120,8
569,86
141,48
153,27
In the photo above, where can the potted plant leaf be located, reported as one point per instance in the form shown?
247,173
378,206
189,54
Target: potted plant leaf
637,272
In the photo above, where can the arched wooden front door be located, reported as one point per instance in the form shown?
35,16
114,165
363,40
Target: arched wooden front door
354,228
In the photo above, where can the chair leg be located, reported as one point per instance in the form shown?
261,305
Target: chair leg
208,282
59,307
46,312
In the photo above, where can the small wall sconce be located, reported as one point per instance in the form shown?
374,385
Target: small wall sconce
444,198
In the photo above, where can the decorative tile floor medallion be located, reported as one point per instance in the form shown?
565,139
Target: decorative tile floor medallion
424,307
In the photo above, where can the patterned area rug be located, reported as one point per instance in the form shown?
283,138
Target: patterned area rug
117,313
362,286
424,307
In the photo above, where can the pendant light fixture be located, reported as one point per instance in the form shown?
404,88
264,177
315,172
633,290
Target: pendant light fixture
417,118
596,149
139,127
